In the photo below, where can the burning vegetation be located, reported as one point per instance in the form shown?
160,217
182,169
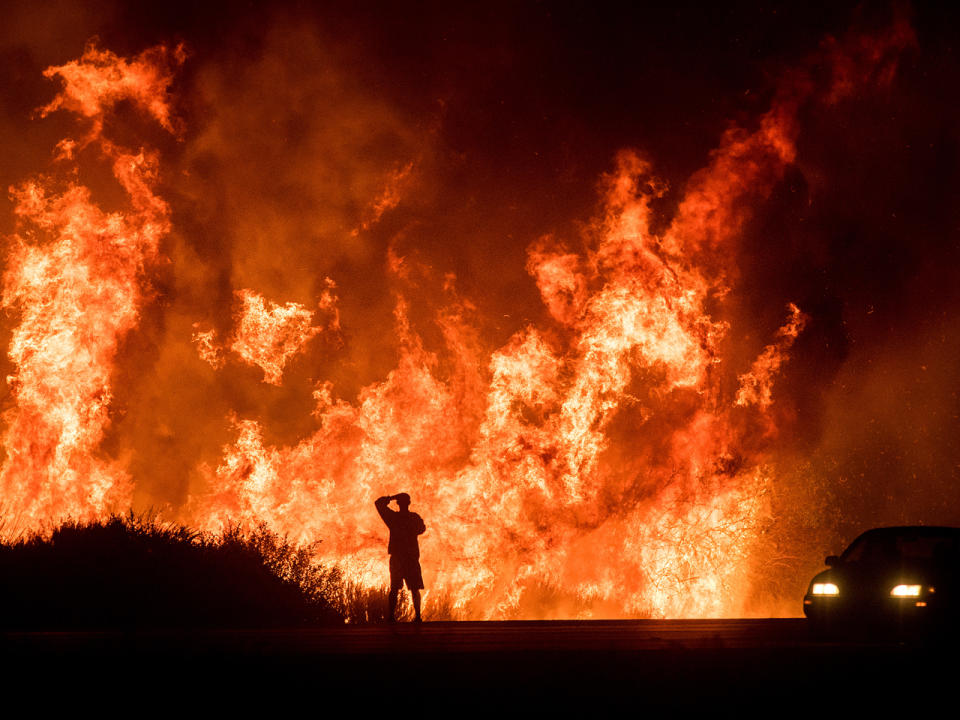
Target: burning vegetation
614,446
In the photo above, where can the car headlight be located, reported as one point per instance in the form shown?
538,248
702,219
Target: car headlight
906,591
825,589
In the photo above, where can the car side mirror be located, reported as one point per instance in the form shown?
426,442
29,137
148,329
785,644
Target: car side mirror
832,561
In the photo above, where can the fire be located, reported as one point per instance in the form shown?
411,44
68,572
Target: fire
100,79
614,455
756,385
268,335
75,275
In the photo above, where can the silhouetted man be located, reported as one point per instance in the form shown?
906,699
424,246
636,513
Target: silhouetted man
404,549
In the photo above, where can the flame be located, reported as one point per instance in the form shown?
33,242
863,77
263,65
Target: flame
208,348
756,384
389,198
268,334
523,496
100,79
75,275
609,455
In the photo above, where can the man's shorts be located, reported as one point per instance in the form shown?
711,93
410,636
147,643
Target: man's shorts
405,570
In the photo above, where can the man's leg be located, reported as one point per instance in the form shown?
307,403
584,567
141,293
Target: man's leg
396,583
394,592
416,603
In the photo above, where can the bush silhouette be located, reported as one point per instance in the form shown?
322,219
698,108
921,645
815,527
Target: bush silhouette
128,572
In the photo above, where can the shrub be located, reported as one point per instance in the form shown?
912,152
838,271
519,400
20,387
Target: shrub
132,572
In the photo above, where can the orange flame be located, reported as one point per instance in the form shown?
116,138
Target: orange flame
756,385
268,335
100,79
75,275
521,498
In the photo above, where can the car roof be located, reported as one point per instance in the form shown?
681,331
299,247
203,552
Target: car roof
913,530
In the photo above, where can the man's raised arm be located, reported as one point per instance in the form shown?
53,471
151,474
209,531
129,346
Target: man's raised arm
381,504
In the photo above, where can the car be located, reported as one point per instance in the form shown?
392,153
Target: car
901,579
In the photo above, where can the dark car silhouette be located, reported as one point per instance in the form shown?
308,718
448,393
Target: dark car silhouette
894,578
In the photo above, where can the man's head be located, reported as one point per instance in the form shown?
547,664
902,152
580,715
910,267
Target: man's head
403,501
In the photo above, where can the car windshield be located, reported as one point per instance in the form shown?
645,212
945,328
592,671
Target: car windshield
893,546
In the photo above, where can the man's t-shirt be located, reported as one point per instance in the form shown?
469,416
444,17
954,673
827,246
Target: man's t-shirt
404,529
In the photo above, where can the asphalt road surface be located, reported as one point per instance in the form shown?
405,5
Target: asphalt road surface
691,664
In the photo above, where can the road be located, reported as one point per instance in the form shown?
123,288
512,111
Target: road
666,663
